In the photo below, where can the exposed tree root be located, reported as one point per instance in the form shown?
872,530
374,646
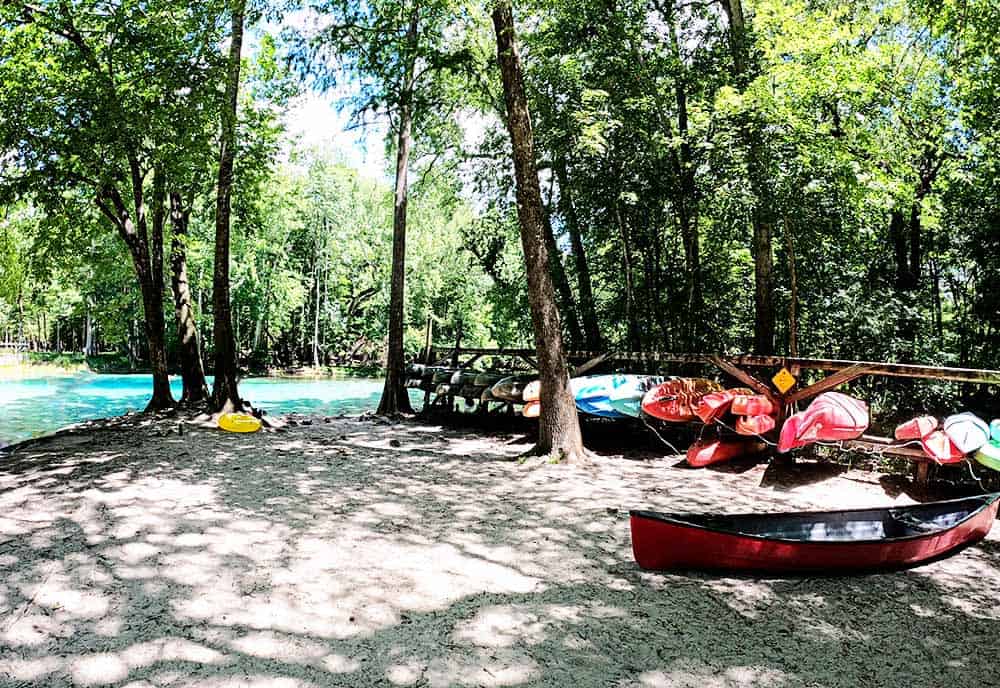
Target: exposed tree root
537,456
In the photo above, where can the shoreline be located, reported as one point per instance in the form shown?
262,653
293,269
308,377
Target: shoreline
34,370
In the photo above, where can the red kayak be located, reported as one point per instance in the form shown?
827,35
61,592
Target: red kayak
822,542
916,429
675,400
713,406
752,405
831,416
754,425
701,454
940,449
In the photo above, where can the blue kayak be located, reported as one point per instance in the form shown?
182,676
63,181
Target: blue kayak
610,396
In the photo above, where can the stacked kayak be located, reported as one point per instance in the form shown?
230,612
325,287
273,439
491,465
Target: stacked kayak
709,452
989,454
676,400
626,397
950,442
712,407
831,417
511,389
603,396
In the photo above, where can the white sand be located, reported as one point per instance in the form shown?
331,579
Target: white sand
326,556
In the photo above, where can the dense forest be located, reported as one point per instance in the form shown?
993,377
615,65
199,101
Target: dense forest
816,177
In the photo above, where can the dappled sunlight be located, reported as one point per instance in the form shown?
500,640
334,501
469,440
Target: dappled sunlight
327,555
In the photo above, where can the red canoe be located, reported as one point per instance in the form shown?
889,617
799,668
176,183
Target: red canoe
822,542
701,454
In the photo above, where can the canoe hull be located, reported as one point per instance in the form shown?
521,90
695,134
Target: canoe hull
675,400
702,454
939,448
915,429
989,455
659,542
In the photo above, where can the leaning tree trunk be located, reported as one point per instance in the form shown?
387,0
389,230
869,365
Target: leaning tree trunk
134,231
225,395
559,426
189,350
395,399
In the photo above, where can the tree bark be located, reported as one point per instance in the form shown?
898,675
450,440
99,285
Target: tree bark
88,345
195,388
134,231
897,236
561,284
762,211
588,311
315,347
634,339
793,297
225,394
559,426
686,198
395,398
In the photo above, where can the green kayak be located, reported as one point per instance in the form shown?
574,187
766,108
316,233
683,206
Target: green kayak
989,455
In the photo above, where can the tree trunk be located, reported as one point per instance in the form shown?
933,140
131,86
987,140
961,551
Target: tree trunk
630,314
559,426
88,347
189,349
687,191
562,284
225,395
315,347
897,236
157,340
763,224
588,311
20,315
134,231
395,398
793,298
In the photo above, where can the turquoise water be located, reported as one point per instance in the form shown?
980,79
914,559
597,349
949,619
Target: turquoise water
33,407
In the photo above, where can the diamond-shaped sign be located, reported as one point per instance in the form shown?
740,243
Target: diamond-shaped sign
783,380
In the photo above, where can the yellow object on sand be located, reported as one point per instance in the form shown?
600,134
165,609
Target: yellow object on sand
239,422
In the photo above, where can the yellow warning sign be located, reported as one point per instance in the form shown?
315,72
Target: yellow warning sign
783,380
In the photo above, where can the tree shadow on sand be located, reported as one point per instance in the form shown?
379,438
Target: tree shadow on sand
359,554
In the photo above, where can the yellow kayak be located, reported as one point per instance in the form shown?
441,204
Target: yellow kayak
239,422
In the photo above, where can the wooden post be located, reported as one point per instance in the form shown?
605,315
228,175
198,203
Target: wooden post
923,473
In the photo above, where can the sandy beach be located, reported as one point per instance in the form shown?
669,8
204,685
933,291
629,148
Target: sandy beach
359,553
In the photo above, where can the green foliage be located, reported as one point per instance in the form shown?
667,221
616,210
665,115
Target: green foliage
876,125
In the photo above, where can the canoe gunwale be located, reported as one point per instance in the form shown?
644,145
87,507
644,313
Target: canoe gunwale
679,520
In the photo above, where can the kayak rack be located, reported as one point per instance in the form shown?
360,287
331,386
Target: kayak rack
745,368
